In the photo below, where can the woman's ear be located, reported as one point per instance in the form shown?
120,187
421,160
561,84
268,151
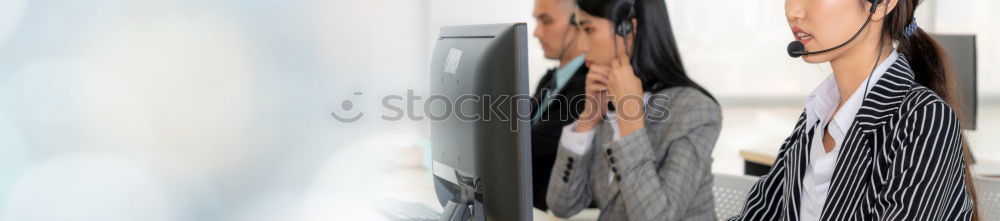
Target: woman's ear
881,12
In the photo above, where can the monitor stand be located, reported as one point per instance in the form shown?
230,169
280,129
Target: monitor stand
464,208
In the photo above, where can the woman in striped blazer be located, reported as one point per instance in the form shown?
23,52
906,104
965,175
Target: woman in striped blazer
874,143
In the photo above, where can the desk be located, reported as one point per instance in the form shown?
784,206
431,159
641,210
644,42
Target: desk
758,161
987,169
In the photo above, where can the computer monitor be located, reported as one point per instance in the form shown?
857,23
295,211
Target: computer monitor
961,50
481,151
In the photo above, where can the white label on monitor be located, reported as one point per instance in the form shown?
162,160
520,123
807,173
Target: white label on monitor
451,64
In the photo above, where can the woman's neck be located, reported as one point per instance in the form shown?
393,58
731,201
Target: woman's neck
854,66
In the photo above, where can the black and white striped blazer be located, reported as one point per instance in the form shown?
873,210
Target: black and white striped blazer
901,160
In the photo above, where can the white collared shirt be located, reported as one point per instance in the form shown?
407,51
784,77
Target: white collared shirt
820,106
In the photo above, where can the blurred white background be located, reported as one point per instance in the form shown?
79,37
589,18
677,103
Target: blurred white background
219,109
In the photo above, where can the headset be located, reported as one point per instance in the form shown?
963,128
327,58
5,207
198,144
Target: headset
623,24
622,27
565,46
796,49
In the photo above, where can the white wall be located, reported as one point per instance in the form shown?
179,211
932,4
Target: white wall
977,17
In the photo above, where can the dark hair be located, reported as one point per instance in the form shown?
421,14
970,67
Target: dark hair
931,68
654,51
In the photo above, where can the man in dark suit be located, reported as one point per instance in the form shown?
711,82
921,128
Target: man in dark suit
558,99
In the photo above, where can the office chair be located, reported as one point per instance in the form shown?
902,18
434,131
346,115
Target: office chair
730,192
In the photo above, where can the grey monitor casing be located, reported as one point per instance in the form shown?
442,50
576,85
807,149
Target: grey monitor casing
477,154
961,51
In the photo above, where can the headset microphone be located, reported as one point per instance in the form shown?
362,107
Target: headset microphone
796,49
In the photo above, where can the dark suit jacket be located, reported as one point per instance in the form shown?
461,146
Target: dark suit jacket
562,111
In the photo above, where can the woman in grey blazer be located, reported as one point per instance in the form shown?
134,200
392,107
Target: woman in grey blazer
648,155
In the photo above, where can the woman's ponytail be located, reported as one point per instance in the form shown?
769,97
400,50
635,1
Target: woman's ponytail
930,65
932,69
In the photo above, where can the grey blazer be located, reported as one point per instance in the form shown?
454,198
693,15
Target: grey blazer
660,172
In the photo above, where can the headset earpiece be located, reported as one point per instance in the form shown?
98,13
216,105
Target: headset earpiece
623,28
624,24
565,46
875,4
